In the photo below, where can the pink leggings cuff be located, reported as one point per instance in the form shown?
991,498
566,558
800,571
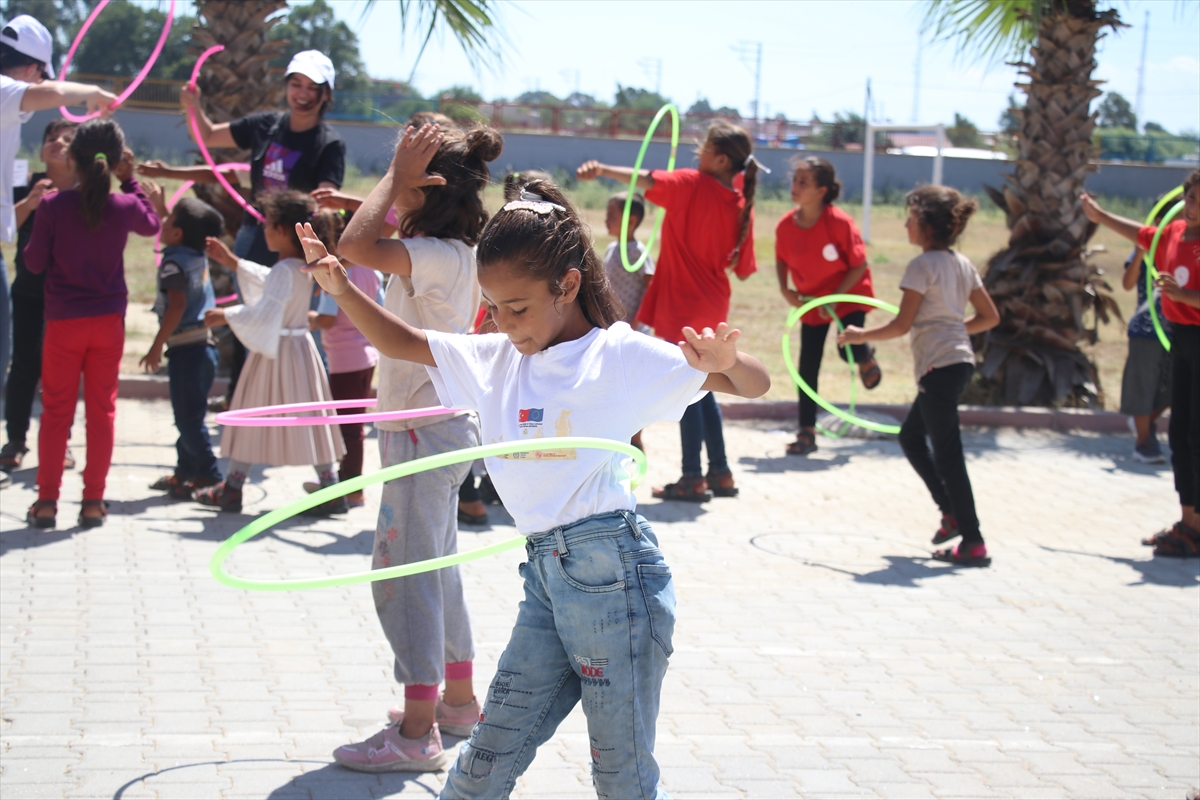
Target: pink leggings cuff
459,671
419,691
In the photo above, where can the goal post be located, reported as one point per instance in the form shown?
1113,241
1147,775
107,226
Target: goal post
869,163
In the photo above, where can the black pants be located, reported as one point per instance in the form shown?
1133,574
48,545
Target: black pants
29,325
468,492
1184,432
812,350
935,414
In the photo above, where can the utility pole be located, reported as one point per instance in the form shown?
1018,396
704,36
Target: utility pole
867,108
656,63
568,74
1141,89
744,51
916,112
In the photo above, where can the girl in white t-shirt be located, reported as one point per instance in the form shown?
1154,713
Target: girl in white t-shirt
599,607
432,285
937,286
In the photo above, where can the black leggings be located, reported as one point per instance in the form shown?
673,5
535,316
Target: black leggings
1184,431
935,414
812,350
28,325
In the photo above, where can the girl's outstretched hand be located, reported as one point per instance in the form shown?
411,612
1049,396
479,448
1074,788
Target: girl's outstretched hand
219,252
413,154
1091,209
710,351
327,270
589,170
852,335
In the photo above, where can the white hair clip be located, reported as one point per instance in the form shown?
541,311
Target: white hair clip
532,202
761,166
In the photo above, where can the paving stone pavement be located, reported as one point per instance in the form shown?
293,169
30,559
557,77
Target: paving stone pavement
819,652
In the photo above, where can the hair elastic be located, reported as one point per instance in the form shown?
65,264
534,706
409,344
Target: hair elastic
760,164
101,157
532,202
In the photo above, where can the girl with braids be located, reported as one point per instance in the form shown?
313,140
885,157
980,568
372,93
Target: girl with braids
708,231
78,242
283,365
599,607
937,286
432,285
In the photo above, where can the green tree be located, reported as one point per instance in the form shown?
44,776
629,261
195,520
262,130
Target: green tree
963,133
538,98
314,27
702,106
1043,284
582,100
634,99
1154,127
1115,112
1010,118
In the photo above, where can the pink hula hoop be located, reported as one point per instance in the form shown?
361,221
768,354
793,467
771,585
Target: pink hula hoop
241,201
175,199
256,417
229,298
137,81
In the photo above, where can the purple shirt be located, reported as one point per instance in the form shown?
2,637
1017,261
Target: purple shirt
85,269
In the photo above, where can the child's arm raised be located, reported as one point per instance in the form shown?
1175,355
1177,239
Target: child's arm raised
160,169
391,336
1119,225
364,241
590,170
219,252
214,135
728,370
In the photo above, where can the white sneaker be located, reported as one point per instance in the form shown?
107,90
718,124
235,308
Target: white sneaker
388,751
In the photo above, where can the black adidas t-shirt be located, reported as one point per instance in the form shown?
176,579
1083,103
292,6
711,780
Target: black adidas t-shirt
289,160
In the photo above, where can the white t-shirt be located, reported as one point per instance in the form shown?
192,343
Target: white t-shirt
12,92
945,280
609,384
442,294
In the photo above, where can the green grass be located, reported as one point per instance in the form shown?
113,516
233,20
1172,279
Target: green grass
757,308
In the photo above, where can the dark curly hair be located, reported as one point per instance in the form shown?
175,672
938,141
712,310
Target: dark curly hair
290,208
548,246
941,211
455,211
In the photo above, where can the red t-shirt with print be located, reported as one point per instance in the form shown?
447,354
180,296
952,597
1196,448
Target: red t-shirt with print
1179,258
700,230
819,257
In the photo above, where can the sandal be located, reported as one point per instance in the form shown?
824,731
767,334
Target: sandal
11,455
1165,533
953,555
35,521
806,442
219,496
689,490
1181,542
721,484
873,376
69,460
948,530
93,522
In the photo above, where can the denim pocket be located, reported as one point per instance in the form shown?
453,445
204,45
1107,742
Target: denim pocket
659,594
593,566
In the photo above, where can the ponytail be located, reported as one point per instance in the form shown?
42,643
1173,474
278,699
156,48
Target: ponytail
455,210
734,143
97,146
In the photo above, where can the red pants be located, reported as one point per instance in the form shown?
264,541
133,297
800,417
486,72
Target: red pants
91,347
351,386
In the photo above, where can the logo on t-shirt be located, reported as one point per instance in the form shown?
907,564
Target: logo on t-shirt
277,165
829,252
533,415
1182,274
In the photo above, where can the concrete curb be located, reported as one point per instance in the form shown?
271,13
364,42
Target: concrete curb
155,387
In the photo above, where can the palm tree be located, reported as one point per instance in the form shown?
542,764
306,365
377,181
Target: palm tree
1044,286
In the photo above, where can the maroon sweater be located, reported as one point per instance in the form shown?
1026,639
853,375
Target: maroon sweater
85,269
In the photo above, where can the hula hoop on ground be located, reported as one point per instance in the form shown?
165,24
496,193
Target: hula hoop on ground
260,417
794,317
175,199
637,165
267,521
1148,259
195,128
137,80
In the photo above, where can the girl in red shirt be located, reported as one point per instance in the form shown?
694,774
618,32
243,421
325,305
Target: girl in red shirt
1178,261
708,231
819,245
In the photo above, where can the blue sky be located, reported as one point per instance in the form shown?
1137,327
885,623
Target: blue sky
816,56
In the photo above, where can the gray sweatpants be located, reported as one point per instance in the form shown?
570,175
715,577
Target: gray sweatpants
424,617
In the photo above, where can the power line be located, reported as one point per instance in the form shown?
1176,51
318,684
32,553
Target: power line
1141,84
744,49
656,63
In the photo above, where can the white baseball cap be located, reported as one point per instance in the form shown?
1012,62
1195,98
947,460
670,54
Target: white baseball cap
28,36
314,65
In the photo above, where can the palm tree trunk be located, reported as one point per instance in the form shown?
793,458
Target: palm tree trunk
1049,295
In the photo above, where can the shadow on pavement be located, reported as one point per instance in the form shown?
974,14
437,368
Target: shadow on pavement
672,511
333,782
781,464
903,571
120,792
25,538
1156,571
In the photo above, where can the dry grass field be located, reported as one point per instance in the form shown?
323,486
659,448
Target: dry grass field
757,309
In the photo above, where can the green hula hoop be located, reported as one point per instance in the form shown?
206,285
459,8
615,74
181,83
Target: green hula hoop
273,518
794,317
1148,259
637,166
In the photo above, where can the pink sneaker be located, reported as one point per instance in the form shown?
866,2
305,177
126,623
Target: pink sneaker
388,751
456,721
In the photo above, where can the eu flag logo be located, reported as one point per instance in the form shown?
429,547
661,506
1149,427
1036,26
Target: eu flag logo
530,415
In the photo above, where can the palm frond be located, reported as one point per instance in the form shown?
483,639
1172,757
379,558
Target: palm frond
471,22
992,30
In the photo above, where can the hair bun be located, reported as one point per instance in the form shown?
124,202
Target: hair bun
486,144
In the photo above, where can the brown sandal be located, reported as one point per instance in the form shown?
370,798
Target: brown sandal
721,484
11,456
689,490
1180,542
93,522
806,442
35,521
873,375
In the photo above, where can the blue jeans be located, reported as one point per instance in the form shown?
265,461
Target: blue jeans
596,625
701,424
190,371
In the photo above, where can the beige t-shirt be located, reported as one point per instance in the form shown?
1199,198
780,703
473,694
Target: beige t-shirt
442,294
945,280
